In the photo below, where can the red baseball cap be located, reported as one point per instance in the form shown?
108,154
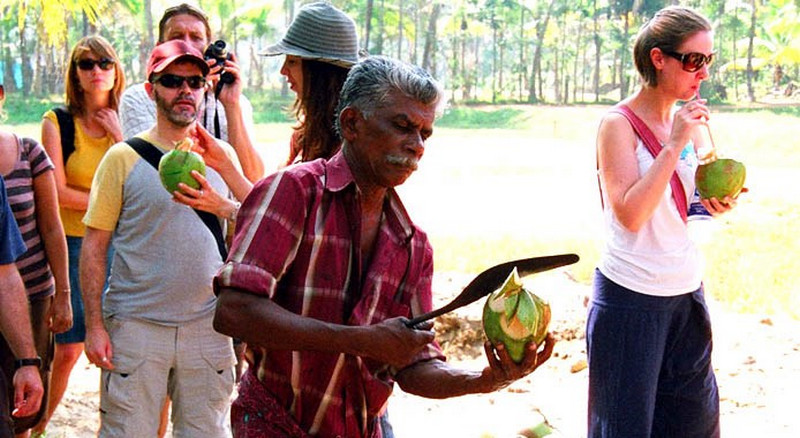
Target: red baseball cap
172,51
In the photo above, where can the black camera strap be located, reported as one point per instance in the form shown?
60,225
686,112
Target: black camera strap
152,155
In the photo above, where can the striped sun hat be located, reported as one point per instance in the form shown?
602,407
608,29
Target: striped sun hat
322,33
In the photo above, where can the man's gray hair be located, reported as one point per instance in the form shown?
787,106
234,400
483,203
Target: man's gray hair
373,80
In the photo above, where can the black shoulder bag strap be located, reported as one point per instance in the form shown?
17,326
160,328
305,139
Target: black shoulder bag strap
66,127
152,155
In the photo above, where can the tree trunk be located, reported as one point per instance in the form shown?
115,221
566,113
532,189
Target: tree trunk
38,86
750,73
578,47
598,47
399,29
536,73
494,58
381,29
8,74
367,23
557,73
522,66
623,59
24,58
735,73
477,71
148,42
428,61
464,71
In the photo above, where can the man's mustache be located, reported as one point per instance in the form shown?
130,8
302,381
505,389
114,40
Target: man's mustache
408,162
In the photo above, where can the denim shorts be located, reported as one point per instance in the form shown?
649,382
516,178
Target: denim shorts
77,334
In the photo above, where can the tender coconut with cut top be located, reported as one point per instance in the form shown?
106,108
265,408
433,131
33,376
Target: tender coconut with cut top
515,316
176,166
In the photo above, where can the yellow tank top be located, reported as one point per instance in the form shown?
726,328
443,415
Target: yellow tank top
80,169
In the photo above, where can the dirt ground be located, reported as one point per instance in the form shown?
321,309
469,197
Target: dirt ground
757,362
472,184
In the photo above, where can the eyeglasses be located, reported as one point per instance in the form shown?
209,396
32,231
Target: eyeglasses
691,62
175,81
88,64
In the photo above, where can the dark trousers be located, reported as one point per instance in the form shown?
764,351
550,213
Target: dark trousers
650,372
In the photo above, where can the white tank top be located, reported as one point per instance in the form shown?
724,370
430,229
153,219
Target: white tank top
660,259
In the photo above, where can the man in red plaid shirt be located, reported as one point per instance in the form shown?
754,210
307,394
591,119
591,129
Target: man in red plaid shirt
326,266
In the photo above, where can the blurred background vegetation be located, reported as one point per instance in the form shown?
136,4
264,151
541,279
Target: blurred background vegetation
512,161
484,51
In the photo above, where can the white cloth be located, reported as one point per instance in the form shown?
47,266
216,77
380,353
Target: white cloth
137,113
660,259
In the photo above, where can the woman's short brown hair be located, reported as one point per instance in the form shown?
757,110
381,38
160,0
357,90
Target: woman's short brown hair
101,48
667,30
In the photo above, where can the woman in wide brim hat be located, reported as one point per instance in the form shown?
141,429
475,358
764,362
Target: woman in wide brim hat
320,46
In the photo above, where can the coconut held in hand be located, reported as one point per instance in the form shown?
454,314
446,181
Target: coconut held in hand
176,166
720,178
514,316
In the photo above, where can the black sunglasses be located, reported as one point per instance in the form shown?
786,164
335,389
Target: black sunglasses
88,64
691,62
175,81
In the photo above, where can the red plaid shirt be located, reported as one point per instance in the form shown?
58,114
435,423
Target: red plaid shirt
297,243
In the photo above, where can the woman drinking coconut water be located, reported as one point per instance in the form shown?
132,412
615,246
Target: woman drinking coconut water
648,330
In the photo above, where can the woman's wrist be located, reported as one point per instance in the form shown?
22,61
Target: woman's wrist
233,211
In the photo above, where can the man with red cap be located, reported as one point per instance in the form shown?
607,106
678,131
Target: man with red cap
151,332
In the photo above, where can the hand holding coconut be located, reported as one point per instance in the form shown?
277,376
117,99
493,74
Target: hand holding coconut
197,192
719,181
515,321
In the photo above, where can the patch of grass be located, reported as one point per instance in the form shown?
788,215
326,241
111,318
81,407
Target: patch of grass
21,110
789,110
462,117
752,266
269,108
467,254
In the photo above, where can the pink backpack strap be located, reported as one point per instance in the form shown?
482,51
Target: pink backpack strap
654,147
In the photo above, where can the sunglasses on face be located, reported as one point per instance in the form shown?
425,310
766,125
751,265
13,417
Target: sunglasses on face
175,81
691,62
88,64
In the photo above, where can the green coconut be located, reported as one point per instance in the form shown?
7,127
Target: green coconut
514,316
176,166
720,178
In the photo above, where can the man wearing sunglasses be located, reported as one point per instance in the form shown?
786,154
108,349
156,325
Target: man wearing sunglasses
151,332
230,111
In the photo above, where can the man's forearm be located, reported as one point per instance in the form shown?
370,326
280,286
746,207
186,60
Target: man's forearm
237,312
93,268
436,379
15,323
239,138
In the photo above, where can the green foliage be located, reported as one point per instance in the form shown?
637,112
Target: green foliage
21,110
475,118
271,108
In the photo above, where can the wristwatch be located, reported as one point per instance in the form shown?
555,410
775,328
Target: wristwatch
28,361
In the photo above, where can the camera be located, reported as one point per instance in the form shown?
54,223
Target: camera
218,50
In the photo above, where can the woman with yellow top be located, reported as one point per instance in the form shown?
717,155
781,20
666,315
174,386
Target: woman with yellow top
93,85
